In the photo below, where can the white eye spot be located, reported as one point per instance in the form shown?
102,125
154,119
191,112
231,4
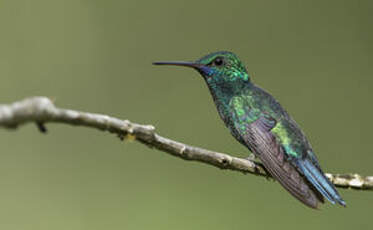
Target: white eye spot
219,61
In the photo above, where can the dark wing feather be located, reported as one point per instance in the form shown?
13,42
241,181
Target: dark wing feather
258,137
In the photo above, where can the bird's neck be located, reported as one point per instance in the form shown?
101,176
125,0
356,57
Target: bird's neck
223,94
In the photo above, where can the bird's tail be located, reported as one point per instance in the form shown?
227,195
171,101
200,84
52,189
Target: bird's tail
318,179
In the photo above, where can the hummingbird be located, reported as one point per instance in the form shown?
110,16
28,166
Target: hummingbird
257,120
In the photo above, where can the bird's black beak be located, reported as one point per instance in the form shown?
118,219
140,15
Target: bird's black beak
179,63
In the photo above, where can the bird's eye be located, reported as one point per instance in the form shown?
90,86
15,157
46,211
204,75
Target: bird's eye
218,61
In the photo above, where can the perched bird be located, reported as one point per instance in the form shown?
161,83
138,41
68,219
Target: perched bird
260,123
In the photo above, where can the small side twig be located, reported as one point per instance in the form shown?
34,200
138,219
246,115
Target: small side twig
41,127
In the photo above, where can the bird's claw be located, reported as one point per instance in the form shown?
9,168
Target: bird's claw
251,157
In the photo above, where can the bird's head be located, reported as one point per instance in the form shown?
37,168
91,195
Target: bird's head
221,70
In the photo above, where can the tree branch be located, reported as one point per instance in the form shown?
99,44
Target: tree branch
41,110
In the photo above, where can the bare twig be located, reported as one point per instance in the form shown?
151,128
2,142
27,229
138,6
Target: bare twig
41,110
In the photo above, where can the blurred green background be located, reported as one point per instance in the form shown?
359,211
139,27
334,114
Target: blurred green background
315,57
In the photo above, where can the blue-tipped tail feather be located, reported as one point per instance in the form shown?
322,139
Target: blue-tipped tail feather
317,178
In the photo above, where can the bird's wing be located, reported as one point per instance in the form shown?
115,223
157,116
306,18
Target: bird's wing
257,135
302,157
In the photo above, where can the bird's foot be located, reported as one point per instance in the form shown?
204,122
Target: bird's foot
259,166
251,157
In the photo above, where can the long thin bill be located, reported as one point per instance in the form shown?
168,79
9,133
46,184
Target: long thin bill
177,63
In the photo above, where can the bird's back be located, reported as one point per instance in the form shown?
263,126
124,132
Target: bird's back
286,130
255,102
259,122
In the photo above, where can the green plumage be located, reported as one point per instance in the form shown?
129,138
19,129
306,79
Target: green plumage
259,122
